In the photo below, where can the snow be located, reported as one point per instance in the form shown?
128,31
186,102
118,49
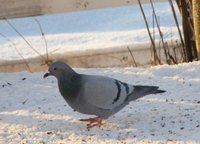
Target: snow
85,30
33,111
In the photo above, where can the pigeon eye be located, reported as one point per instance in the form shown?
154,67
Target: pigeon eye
54,68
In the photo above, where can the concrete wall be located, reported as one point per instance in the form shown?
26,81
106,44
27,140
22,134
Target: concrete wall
25,8
109,57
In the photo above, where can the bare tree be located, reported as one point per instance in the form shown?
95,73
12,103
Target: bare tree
156,58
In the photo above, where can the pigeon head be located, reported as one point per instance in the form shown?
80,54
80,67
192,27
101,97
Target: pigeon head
59,69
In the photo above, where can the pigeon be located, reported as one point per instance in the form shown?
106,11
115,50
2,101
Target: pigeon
94,94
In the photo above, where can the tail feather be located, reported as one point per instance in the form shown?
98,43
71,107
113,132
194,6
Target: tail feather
159,91
140,91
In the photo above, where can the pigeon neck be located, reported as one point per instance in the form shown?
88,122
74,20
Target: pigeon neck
69,87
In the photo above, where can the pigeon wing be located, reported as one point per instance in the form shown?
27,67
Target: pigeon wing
104,92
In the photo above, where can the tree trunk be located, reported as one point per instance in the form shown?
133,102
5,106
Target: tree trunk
186,30
196,20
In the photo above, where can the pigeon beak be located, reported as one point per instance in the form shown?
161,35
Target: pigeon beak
46,75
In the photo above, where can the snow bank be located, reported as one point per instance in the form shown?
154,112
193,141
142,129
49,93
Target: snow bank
89,30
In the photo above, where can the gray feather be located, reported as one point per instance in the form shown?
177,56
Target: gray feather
141,91
102,91
96,95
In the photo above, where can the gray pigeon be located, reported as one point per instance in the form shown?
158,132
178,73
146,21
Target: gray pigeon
96,95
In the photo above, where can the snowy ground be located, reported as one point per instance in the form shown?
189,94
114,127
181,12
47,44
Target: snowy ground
32,110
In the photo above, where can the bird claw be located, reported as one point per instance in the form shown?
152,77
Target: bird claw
93,122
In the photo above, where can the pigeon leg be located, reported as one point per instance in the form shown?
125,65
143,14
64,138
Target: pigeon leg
92,122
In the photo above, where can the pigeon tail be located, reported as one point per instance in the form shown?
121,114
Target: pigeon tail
140,91
159,91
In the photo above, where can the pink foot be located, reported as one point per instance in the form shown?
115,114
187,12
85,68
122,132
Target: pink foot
92,122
